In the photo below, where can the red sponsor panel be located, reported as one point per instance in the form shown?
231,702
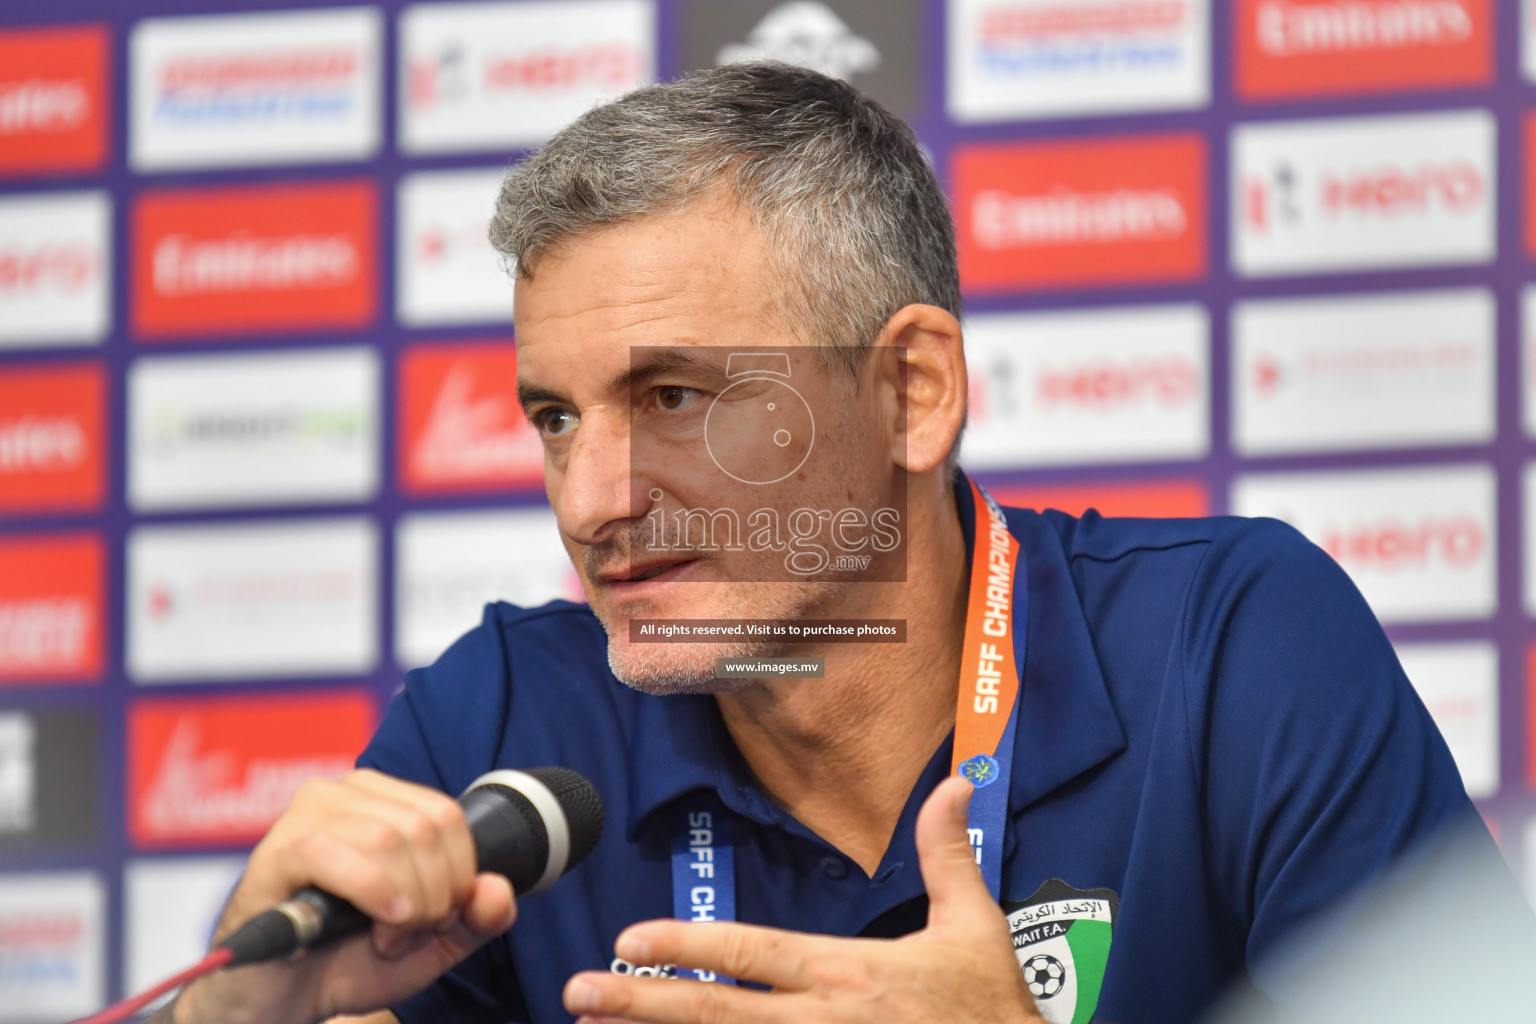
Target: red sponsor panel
53,99
1530,184
247,260
1151,498
217,771
461,426
1081,213
51,435
51,608
1333,47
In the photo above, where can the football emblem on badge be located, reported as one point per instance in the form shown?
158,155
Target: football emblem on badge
1061,937
1044,975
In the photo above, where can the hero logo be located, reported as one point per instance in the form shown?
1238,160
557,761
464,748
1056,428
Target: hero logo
1456,187
446,77
1391,544
1363,193
1135,389
1419,543
1100,211
53,268
1048,58
216,260
1170,382
52,85
498,75
265,88
221,770
809,34
65,268
463,428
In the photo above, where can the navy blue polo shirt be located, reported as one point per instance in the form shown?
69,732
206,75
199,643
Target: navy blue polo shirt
1212,727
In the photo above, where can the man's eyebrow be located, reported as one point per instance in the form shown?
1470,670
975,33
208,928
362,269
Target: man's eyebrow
660,362
651,365
528,394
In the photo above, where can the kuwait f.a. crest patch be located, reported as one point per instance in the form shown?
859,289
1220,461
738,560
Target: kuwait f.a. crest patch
1061,936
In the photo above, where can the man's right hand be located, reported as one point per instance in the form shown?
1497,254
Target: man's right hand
399,852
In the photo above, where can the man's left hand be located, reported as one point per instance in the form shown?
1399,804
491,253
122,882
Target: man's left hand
960,968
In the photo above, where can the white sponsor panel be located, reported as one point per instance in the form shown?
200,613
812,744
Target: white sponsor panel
1528,54
498,75
252,600
1459,684
1363,371
1363,193
449,565
51,946
448,272
55,268
1119,385
1018,59
1421,543
1528,518
171,907
1528,359
268,88
18,773
249,429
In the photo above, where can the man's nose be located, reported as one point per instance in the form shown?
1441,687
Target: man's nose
596,493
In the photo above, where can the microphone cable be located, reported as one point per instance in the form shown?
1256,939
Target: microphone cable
126,1009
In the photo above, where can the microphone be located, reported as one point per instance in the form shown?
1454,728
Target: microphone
530,826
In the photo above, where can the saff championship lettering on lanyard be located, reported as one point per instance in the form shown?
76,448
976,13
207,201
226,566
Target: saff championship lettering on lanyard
986,717
987,709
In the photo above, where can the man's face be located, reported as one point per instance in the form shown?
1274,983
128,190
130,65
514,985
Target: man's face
680,419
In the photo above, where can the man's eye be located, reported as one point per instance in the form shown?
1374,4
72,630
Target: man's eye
553,422
673,397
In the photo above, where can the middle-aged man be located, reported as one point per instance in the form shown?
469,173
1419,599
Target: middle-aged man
1211,743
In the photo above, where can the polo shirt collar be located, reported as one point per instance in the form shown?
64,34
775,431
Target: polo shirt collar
1067,724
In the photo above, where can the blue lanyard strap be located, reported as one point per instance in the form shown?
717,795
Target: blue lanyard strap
703,870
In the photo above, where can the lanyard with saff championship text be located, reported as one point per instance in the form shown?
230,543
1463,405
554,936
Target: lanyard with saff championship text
986,717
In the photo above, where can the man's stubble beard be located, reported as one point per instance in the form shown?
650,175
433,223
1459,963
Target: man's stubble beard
682,668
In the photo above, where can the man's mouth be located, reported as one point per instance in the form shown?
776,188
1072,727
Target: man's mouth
658,571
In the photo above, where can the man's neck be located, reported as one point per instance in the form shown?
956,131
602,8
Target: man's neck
843,753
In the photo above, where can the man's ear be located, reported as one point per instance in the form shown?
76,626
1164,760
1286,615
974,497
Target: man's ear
929,357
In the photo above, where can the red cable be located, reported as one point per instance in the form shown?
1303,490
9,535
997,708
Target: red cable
128,1007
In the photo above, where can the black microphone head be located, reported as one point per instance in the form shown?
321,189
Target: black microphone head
532,826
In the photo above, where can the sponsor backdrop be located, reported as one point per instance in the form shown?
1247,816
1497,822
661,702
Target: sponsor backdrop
259,446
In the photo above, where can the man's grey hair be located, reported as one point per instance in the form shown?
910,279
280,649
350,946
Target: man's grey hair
854,221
